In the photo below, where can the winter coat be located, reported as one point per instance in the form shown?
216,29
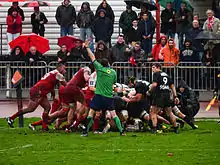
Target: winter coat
102,29
138,55
109,12
37,57
18,57
36,26
14,27
119,54
166,15
20,11
170,55
85,18
150,28
78,54
125,21
105,53
133,35
189,55
156,51
182,25
191,35
66,15
213,55
63,56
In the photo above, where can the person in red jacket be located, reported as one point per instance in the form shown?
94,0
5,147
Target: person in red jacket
14,22
158,47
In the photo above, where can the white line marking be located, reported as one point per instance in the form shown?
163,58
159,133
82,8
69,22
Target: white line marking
25,146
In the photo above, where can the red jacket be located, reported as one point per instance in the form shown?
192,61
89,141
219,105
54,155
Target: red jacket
156,51
14,27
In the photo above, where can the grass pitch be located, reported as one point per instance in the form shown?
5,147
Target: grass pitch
21,146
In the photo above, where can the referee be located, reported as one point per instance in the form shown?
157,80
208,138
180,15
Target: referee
103,99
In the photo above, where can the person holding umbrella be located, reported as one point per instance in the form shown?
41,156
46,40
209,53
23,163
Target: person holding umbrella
38,19
15,6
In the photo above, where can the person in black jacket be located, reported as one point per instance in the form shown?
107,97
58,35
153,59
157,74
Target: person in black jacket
66,17
15,6
38,19
63,54
78,53
102,28
17,54
189,54
168,24
33,55
133,33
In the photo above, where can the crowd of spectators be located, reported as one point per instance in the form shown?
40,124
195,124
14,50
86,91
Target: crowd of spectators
136,40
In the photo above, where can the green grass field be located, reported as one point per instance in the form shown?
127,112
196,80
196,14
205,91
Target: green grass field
24,147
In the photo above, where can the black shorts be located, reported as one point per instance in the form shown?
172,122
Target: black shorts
162,100
99,103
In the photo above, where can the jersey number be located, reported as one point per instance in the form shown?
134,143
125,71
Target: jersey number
165,80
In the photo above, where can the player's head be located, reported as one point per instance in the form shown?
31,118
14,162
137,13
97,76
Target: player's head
131,81
87,73
156,67
104,62
61,68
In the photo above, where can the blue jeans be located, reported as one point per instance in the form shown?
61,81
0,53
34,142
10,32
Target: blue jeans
86,33
64,31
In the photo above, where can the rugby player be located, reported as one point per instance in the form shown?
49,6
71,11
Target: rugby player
38,95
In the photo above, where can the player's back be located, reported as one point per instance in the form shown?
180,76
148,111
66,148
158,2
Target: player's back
142,86
78,79
163,81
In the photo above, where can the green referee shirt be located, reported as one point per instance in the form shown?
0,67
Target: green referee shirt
106,77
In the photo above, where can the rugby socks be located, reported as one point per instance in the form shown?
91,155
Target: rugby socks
16,115
37,123
44,120
89,122
55,106
118,124
96,124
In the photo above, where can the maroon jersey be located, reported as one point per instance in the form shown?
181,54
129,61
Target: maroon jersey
78,79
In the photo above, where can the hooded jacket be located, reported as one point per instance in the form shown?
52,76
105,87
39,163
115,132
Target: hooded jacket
66,15
14,27
105,53
85,18
170,55
157,49
189,54
109,12
20,11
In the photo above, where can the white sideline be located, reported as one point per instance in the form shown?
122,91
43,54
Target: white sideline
25,146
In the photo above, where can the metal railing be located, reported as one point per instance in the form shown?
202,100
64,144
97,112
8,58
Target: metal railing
196,75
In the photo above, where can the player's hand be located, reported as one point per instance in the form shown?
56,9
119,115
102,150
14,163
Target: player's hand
176,100
126,99
86,44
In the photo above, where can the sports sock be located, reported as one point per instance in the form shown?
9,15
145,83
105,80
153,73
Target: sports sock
89,122
37,123
44,120
187,120
16,115
96,124
55,106
118,124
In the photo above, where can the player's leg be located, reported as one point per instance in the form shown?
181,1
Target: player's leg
153,115
117,122
124,113
88,122
44,103
108,120
169,112
70,115
96,122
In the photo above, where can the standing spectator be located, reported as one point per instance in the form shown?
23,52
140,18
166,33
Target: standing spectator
17,54
156,51
211,56
109,12
196,17
14,22
102,51
33,55
168,24
146,29
125,21
133,34
196,44
120,51
183,22
102,28
78,53
170,53
38,19
63,54
84,21
216,8
66,17
144,10
189,54
15,6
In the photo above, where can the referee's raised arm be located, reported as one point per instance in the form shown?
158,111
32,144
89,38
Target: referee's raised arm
90,54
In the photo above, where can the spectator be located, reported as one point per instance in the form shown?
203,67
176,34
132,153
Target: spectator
144,10
66,17
17,54
211,56
120,51
84,21
156,51
14,22
170,53
78,53
133,34
191,35
183,22
196,17
125,21
109,12
168,24
216,8
102,28
33,55
138,53
189,54
38,19
146,29
15,6
102,51
63,54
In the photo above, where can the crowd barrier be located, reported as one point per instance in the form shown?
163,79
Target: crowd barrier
196,75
